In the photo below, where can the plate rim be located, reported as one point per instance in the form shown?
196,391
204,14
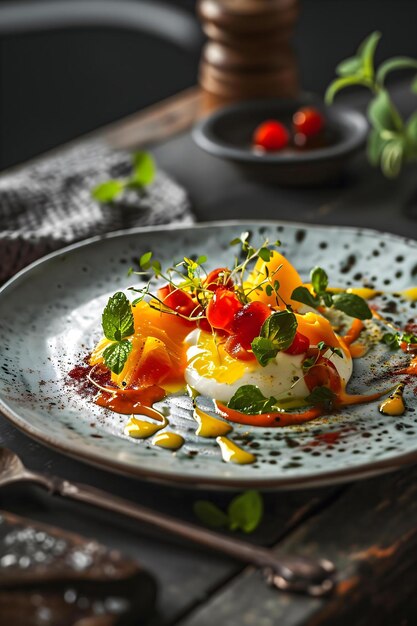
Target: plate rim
91,457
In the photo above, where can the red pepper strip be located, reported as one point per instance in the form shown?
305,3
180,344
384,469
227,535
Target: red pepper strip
266,420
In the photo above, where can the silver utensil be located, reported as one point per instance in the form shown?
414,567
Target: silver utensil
285,572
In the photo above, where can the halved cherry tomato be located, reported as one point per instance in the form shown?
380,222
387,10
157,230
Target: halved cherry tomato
236,350
219,277
176,299
308,121
323,374
300,344
222,308
271,136
248,321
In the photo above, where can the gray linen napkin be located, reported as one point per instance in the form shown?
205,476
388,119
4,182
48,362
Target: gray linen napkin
48,204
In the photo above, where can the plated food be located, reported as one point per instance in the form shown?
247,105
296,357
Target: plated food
266,348
50,321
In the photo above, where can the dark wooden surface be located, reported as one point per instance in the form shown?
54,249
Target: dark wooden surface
367,528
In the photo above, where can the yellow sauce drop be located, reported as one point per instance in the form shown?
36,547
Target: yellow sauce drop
142,429
170,441
410,294
209,426
394,404
232,453
363,292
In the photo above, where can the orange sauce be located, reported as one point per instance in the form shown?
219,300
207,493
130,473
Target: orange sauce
136,401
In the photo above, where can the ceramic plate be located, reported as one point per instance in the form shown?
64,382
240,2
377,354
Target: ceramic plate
50,318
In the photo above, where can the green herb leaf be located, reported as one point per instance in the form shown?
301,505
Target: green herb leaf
117,318
264,349
115,355
303,295
391,340
391,65
414,85
394,340
383,114
366,52
352,305
341,83
210,514
145,260
277,333
411,133
376,144
143,169
245,511
108,191
265,254
319,280
321,396
392,158
250,400
349,67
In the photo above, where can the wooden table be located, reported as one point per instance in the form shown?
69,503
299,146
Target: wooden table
369,529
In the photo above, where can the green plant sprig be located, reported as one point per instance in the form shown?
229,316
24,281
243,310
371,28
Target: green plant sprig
143,174
392,140
349,303
244,512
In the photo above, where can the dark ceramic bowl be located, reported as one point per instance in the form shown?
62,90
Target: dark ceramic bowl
228,134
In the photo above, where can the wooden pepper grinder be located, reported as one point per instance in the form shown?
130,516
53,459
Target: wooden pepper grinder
248,53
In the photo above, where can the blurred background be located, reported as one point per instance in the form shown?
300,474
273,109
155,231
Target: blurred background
70,66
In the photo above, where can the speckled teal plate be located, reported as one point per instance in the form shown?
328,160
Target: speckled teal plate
50,318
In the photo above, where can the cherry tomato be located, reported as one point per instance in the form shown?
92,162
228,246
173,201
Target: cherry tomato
323,374
219,277
308,122
300,344
222,308
176,299
248,321
236,350
271,136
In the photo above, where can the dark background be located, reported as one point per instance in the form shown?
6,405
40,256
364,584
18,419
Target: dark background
58,84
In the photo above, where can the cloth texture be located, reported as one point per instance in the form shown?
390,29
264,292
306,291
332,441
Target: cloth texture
48,204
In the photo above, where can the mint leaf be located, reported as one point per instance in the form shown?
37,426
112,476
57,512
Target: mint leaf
210,514
396,63
143,170
115,355
250,400
321,396
303,295
352,305
319,280
245,511
117,318
108,191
